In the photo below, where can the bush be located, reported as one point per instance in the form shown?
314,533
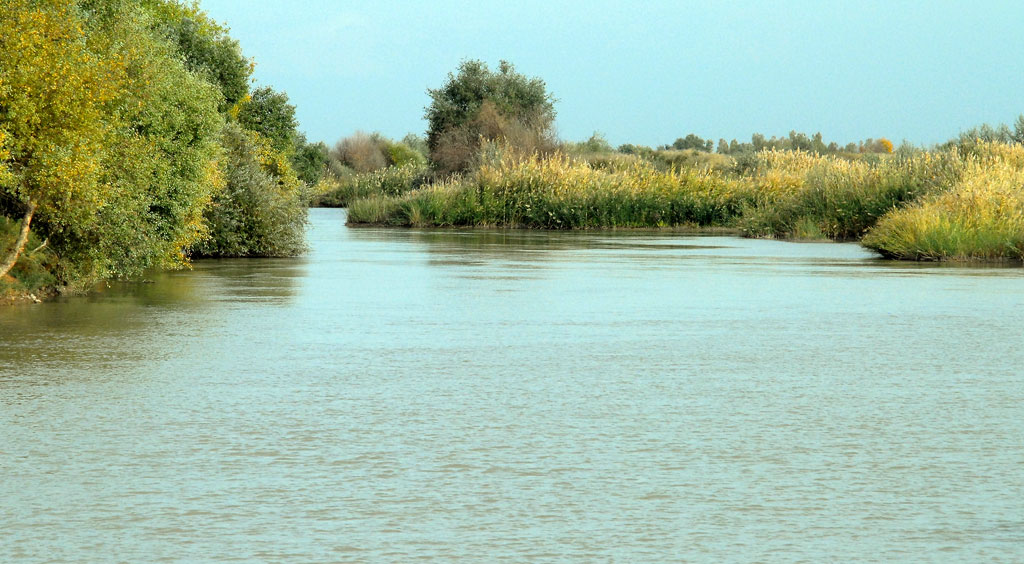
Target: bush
391,181
561,193
262,211
361,152
35,267
789,191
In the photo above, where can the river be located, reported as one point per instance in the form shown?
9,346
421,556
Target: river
515,396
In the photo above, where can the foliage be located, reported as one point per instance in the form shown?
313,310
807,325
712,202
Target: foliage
310,160
479,104
111,113
362,152
401,154
559,193
391,181
597,144
981,217
692,141
55,96
262,210
842,199
160,169
206,47
268,113
34,271
416,143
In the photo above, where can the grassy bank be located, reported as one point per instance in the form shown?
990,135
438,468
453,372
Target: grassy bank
390,181
955,204
559,193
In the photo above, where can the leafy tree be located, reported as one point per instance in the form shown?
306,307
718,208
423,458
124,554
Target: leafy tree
478,103
596,144
400,154
161,161
205,46
54,96
416,143
693,141
268,113
309,160
362,152
1018,130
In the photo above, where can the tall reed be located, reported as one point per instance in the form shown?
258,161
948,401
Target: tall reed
981,218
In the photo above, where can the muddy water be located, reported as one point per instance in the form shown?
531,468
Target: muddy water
518,397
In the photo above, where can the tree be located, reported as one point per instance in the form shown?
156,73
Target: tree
1018,130
478,103
268,113
695,142
160,167
309,160
54,93
206,47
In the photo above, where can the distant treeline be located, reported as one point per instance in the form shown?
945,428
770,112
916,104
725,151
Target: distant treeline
131,137
795,141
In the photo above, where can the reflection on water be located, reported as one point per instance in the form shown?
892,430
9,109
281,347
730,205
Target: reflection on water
520,396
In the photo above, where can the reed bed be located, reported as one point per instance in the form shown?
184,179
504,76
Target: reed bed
924,205
390,181
559,192
802,195
981,218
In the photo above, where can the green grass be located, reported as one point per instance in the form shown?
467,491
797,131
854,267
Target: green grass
561,193
391,181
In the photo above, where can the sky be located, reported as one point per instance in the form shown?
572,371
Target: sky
650,72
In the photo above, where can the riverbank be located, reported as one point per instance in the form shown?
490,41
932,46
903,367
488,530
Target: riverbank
960,204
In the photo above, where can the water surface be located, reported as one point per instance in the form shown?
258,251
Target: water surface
509,396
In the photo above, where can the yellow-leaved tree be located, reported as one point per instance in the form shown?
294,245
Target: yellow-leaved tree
53,93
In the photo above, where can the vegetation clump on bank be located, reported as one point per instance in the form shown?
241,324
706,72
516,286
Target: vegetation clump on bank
960,201
120,145
980,217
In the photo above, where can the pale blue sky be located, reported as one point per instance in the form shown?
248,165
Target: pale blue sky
650,72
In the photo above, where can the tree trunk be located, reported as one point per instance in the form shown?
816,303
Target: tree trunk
19,245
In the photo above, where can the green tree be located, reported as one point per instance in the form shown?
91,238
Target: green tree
693,141
478,103
205,46
1018,130
160,167
54,96
268,113
309,160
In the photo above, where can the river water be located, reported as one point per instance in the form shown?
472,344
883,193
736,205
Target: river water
511,396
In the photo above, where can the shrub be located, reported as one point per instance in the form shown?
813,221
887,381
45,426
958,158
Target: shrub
261,211
558,192
842,198
391,181
361,152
